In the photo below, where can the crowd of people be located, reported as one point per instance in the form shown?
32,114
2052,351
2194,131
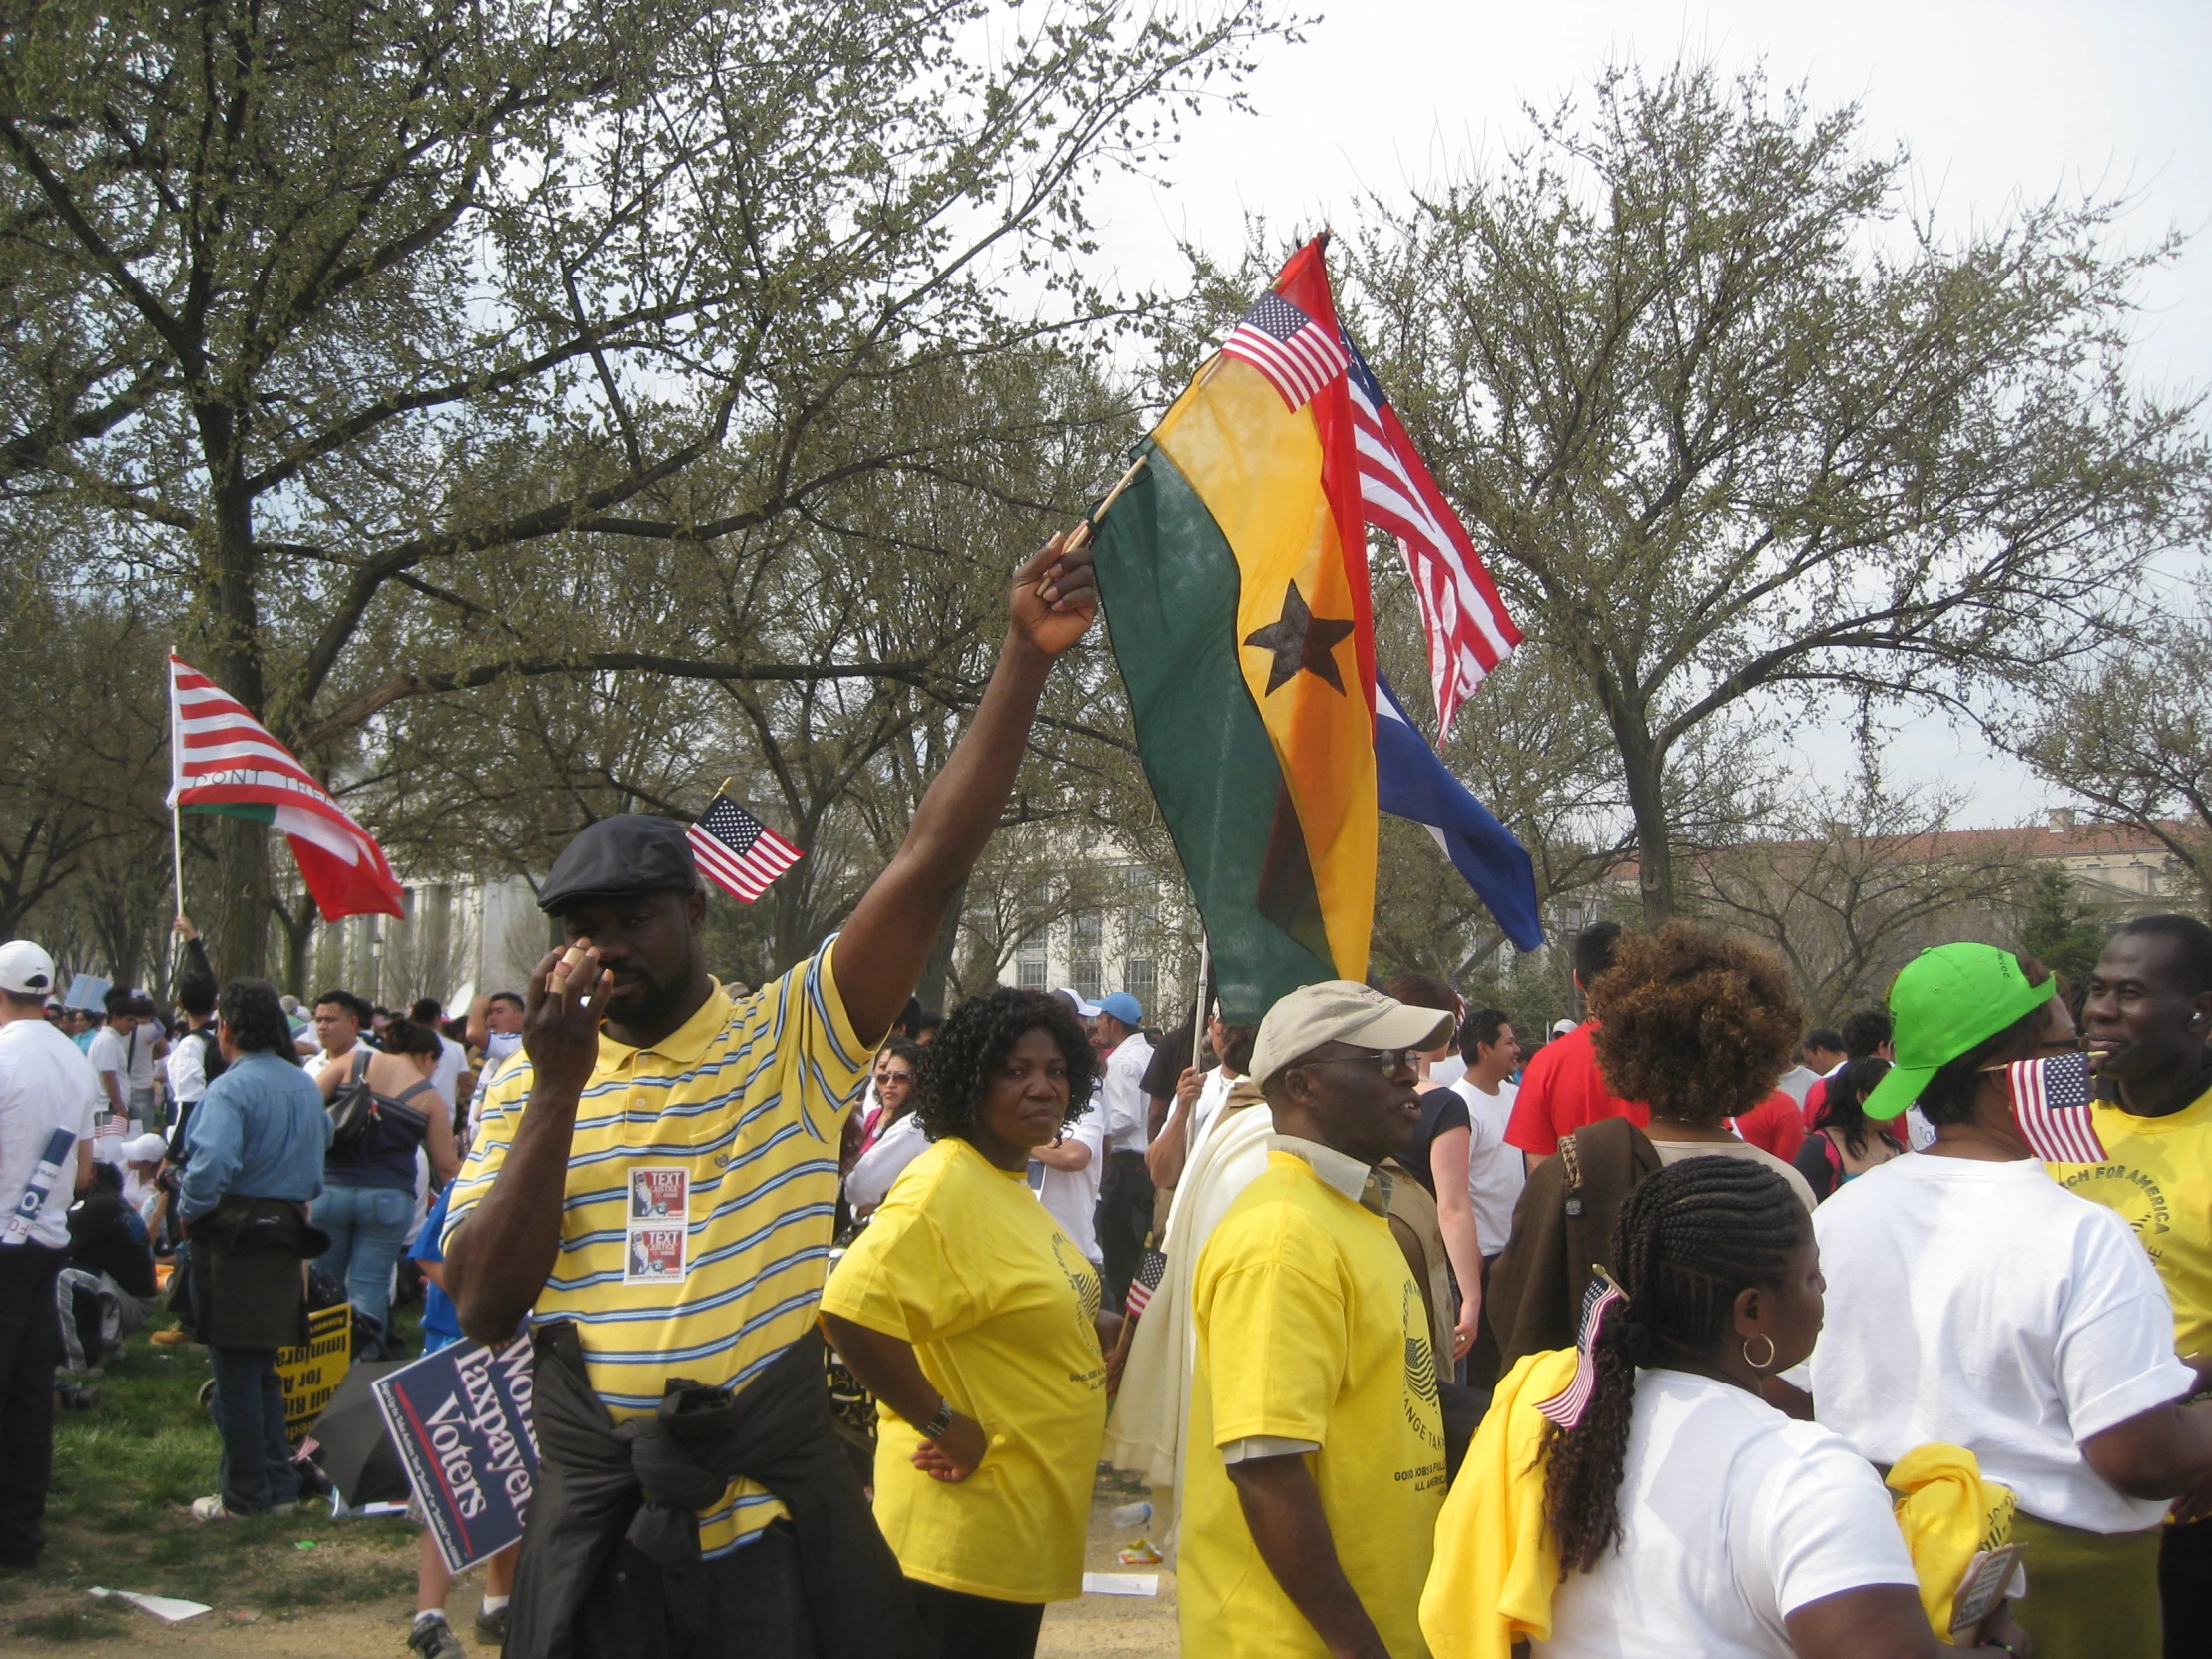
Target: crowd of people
1689,1331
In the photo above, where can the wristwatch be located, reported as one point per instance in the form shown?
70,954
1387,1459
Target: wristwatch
940,1422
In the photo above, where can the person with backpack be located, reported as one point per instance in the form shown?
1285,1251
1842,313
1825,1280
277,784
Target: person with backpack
383,1107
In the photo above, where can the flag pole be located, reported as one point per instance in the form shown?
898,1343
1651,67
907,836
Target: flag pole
1082,532
1198,1014
176,821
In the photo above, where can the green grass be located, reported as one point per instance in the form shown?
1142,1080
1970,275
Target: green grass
125,1474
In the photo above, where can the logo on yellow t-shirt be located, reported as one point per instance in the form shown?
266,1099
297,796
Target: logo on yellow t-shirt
1081,1276
1422,1407
2129,1191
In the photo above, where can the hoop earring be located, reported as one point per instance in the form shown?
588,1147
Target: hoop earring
1759,1365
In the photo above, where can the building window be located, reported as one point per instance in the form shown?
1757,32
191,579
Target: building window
1140,980
1031,963
1087,979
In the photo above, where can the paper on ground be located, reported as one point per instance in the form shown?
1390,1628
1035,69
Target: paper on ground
162,1607
1121,1583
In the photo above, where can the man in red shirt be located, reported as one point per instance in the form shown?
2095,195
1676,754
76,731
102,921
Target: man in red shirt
1562,1088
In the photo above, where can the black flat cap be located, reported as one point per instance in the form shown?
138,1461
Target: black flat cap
629,852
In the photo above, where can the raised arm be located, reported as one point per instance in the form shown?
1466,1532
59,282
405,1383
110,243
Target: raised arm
498,1258
879,957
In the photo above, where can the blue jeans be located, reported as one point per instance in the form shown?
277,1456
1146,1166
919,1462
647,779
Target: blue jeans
368,1229
258,1471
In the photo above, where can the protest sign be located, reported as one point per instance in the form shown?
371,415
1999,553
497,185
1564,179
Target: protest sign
312,1374
461,1419
88,993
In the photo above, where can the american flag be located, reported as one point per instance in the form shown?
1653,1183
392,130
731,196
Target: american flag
1566,1406
1150,1270
1469,631
1295,353
737,851
2050,1098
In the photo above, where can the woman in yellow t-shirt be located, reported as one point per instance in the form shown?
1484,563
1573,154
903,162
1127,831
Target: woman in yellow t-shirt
974,1321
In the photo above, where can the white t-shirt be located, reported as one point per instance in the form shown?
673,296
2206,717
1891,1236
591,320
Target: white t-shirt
1071,1195
1128,1107
187,1066
1987,1306
880,1164
45,1085
1732,1518
109,1052
1496,1172
1797,1081
446,1077
1211,1093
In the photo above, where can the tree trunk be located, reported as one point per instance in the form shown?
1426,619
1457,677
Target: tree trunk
1645,766
935,976
239,938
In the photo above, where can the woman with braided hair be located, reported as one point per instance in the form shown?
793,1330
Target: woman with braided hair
1678,1512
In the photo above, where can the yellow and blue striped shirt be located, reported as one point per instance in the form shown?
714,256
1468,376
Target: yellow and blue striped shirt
747,1096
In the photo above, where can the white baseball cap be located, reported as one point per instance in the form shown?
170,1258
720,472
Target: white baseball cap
1089,1010
25,968
145,1149
1341,1011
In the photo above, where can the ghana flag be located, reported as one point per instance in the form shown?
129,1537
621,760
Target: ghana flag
1233,570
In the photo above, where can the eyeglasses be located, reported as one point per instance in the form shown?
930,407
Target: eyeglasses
1388,1061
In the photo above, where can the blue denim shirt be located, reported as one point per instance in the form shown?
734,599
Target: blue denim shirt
259,1132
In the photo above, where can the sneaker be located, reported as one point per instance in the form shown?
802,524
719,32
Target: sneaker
491,1628
212,1509
170,1338
434,1638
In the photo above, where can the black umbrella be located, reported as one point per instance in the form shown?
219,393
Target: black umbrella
357,1454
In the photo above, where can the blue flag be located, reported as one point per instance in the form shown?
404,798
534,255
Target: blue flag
1410,781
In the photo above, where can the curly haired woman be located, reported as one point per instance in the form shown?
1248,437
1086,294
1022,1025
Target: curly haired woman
1680,1513
1697,1025
972,1319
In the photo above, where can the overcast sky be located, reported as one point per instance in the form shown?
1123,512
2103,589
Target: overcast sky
1996,102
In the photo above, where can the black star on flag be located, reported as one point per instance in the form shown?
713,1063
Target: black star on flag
1299,638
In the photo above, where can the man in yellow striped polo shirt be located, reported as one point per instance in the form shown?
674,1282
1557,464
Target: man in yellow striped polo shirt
653,1188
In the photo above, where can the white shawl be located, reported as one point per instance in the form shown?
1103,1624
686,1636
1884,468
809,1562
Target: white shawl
1144,1432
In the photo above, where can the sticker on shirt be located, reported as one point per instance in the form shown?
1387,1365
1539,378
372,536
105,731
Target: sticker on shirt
657,1236
656,1256
659,1195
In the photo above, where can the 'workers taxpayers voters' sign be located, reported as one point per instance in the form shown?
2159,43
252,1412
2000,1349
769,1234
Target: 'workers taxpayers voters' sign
461,1419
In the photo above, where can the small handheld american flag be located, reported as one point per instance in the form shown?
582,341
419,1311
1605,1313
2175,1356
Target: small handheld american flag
1296,356
737,851
1599,1297
1152,1267
2050,1098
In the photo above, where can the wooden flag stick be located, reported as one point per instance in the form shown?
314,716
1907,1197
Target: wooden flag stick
1083,531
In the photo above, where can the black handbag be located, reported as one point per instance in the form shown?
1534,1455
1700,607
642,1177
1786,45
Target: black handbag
353,1109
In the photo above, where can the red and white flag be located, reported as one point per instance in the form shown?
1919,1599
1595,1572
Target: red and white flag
2052,1099
737,851
224,762
1296,355
1470,632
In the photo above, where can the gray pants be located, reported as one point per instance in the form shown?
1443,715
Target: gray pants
96,1315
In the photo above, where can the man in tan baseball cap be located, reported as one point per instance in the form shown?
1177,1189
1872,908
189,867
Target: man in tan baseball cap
1315,1454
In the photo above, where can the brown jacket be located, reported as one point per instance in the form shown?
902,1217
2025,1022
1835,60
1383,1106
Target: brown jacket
1562,1226
1421,1236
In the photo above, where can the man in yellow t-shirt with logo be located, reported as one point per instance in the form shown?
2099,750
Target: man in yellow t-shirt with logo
2147,1020
653,1187
1306,1531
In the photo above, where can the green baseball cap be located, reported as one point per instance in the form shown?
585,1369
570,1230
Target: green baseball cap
1943,1003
